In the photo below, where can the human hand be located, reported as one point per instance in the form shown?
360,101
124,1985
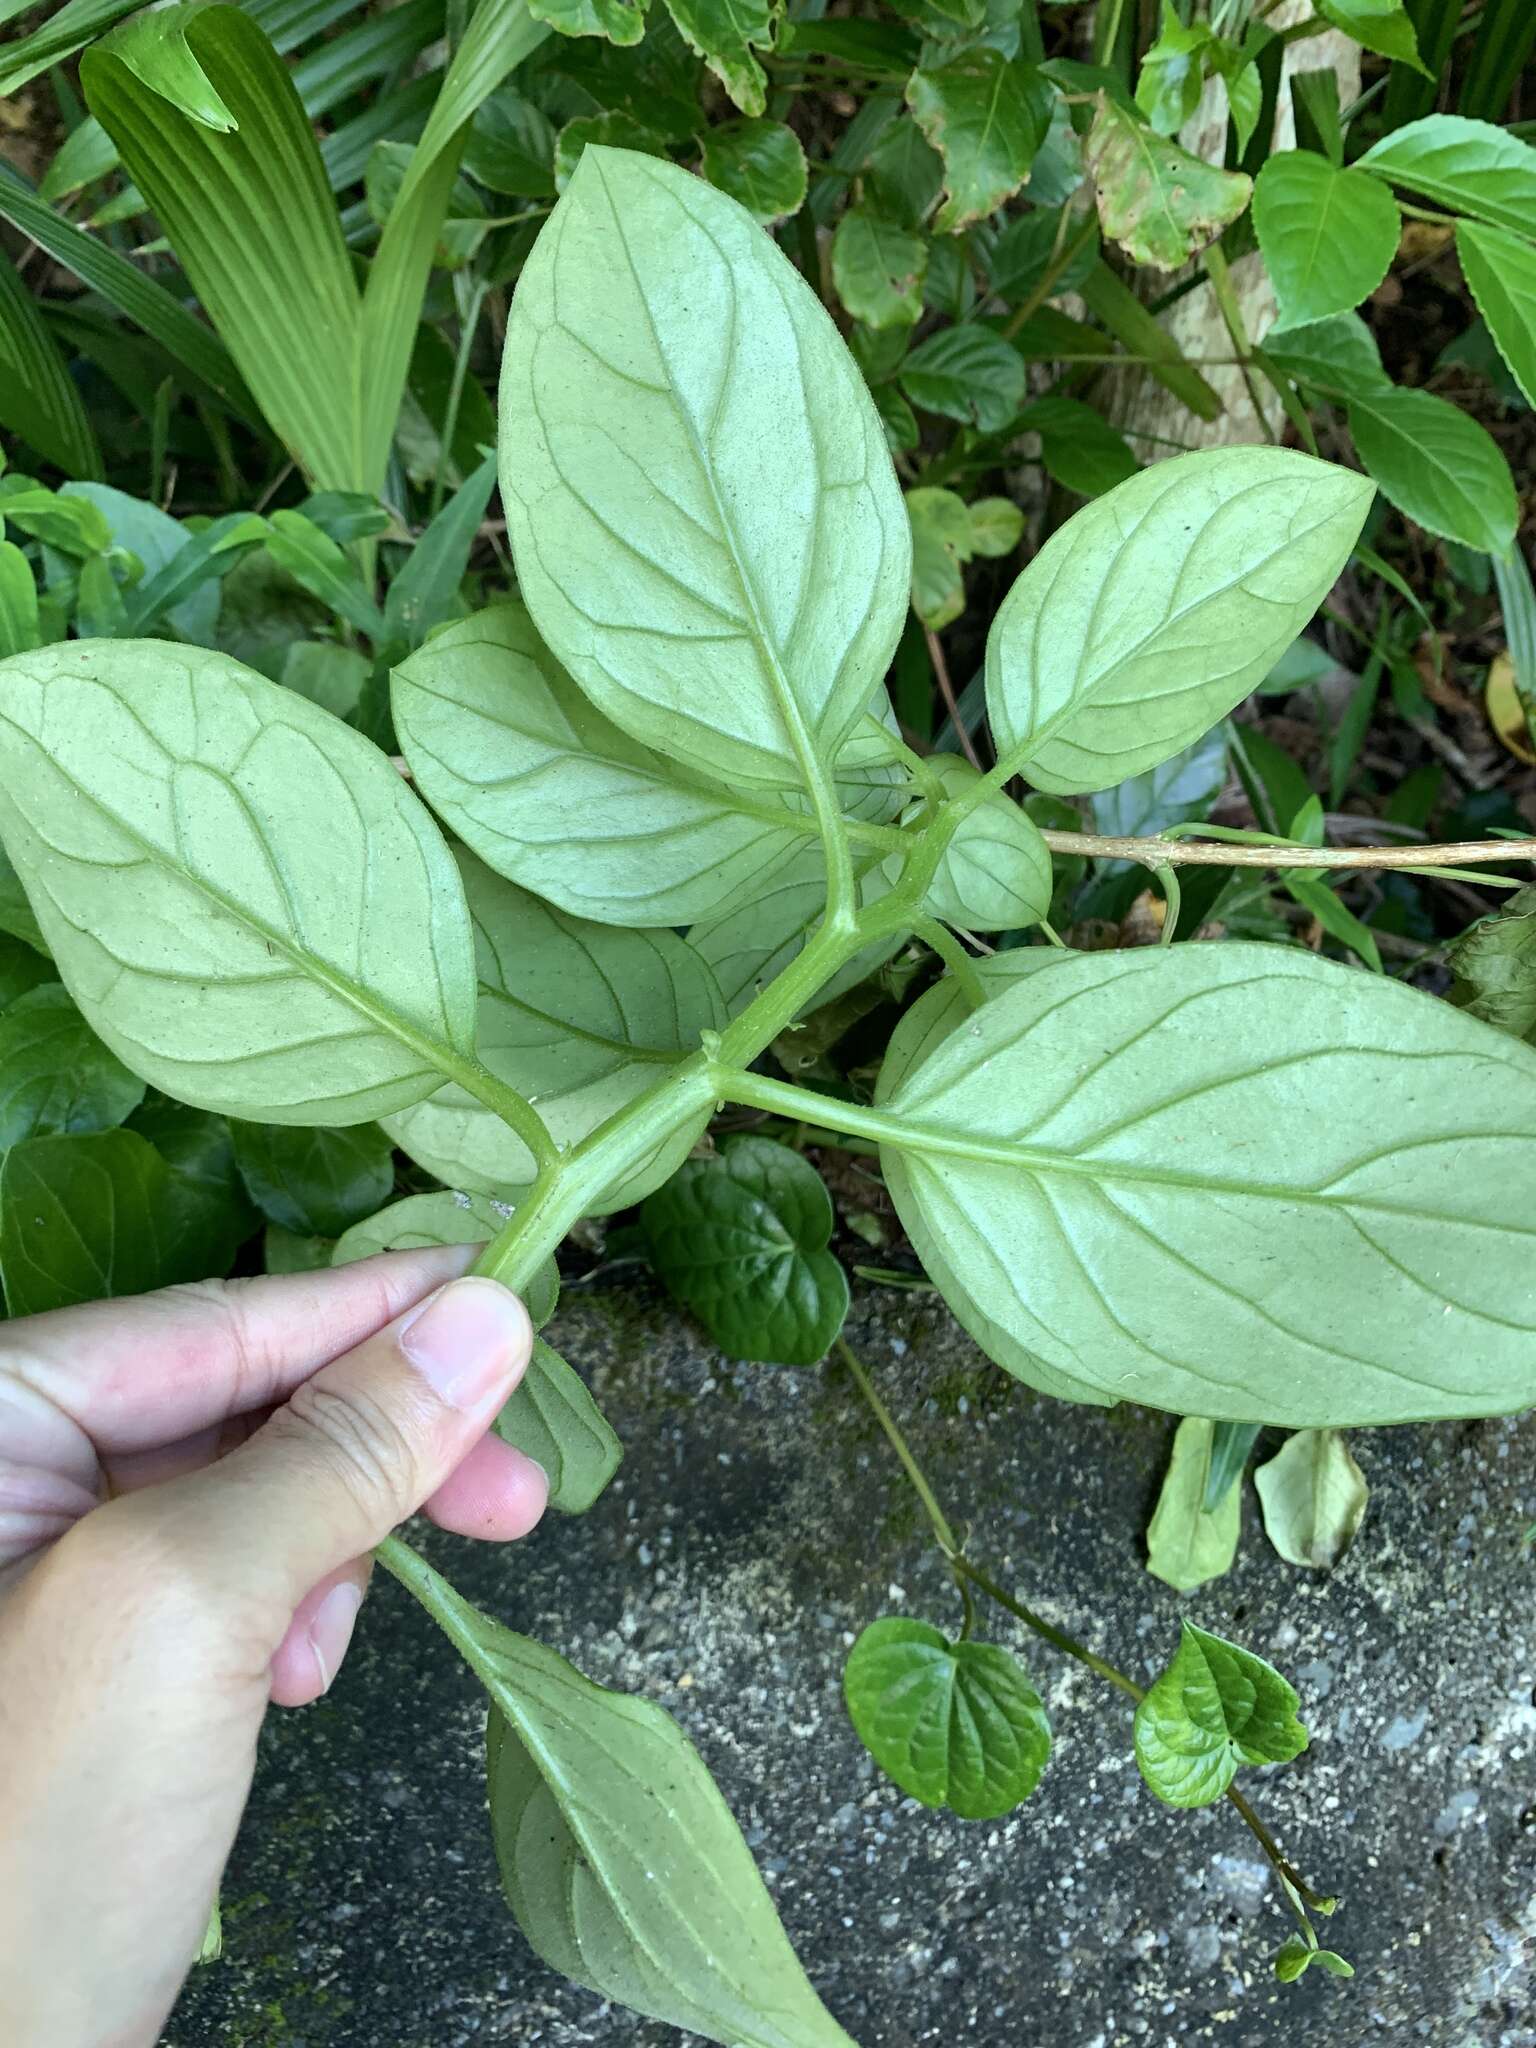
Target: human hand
190,1485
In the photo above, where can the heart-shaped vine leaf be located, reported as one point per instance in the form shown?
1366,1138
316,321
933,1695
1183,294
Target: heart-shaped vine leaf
619,1858
55,1073
579,1018
1149,615
1214,1709
955,1724
314,1183
742,1240
706,524
244,898
1107,1199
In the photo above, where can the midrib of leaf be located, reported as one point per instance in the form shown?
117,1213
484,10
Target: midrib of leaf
562,1027
435,1052
840,886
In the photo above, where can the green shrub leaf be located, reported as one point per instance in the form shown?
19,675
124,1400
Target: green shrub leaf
88,1216
759,164
1108,1205
878,269
1160,204
314,1183
955,1724
995,874
742,1240
726,34
1438,465
1384,26
706,524
986,114
1495,966
1214,1709
1328,235
966,373
1313,1495
1158,608
1501,269
1469,165
282,934
55,1073
1187,1542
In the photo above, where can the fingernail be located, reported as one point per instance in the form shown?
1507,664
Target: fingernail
330,1631
464,1340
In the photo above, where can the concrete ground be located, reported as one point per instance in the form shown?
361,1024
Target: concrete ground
758,1523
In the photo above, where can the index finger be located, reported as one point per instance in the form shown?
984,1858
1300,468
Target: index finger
144,1370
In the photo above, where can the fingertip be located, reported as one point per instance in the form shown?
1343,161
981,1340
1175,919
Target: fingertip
306,1661
497,1494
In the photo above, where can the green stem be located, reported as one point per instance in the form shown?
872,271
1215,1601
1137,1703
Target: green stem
938,1521
468,323
1048,1631
1232,315
955,958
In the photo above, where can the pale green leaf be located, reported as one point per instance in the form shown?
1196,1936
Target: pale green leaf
1214,1709
997,526
1188,1544
1313,1495
955,1724
748,947
741,1239
287,1251
727,34
1159,203
538,783
1328,236
706,525
1109,1153
1469,165
986,114
1172,72
941,543
1438,465
995,874
553,1419
244,898
55,1073
759,164
1384,26
1154,611
620,1860
1501,270
579,1018
878,269
444,1217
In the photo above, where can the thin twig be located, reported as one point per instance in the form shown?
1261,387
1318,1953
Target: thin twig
1219,854
947,692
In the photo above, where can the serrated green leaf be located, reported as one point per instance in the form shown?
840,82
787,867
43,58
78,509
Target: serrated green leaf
1494,962
1438,465
315,1183
705,522
759,164
1159,203
741,1239
55,1073
727,34
1136,1184
986,114
955,1724
1189,1544
878,269
1314,1496
1327,235
1337,357
1214,1709
284,936
579,1018
1470,165
1154,611
966,373
538,783
1501,270
1384,26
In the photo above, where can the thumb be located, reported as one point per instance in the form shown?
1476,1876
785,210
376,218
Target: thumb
360,1446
